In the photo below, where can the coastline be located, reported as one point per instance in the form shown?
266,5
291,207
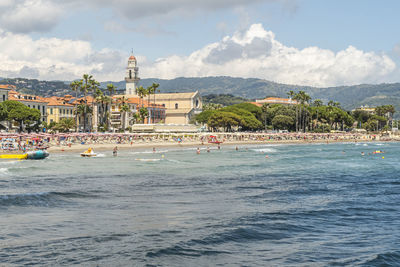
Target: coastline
78,148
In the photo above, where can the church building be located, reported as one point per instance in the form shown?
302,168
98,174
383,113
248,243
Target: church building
179,107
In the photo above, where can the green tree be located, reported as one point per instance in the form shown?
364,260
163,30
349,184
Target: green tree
225,120
282,122
143,113
21,114
64,125
204,116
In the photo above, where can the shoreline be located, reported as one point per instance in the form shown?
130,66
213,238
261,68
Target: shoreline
78,148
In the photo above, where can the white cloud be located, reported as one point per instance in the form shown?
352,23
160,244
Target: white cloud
256,53
251,53
23,16
56,59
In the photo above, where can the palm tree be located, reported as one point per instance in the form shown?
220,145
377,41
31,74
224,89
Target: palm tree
75,86
111,89
317,103
124,109
142,92
154,87
85,88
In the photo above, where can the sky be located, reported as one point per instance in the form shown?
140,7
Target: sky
303,42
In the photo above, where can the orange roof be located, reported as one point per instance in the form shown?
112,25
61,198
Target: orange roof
132,57
14,95
89,100
137,101
257,104
8,86
58,101
277,98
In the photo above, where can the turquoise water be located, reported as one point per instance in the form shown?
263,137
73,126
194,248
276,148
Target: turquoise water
304,205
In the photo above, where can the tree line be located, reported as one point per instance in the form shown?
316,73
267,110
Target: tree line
304,115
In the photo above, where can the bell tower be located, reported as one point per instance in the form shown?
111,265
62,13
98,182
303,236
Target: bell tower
132,76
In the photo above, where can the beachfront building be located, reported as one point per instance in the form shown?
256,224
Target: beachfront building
4,90
366,109
277,100
32,101
171,108
180,107
119,119
59,108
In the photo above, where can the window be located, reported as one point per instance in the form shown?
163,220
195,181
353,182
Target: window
130,74
176,105
4,97
43,110
51,111
29,106
33,106
38,107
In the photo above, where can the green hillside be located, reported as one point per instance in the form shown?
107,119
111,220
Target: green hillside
349,96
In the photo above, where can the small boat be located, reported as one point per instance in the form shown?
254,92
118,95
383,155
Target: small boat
378,152
88,153
39,154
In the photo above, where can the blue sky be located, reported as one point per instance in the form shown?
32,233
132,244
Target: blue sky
307,42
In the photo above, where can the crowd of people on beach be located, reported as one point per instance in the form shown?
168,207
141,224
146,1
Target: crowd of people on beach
26,142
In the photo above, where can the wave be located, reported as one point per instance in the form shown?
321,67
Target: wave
265,150
149,152
178,250
3,171
384,259
42,199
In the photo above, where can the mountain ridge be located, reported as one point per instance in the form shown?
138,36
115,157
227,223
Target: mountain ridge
349,96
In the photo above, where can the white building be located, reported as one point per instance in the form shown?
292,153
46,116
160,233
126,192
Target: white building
132,77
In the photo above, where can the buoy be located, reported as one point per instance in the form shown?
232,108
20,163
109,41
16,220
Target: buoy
383,157
162,155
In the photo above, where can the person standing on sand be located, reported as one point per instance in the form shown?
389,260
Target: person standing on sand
115,151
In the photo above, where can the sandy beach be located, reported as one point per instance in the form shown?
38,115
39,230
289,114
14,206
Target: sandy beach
79,142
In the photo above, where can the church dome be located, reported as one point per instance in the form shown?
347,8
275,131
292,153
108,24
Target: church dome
132,57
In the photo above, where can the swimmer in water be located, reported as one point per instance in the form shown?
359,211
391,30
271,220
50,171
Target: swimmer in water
198,151
208,149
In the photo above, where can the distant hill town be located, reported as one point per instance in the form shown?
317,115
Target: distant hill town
348,96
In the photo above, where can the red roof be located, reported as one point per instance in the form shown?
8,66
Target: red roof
132,57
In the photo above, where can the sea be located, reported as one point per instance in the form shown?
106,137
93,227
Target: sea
259,205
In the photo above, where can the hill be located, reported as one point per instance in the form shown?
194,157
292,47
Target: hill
349,96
